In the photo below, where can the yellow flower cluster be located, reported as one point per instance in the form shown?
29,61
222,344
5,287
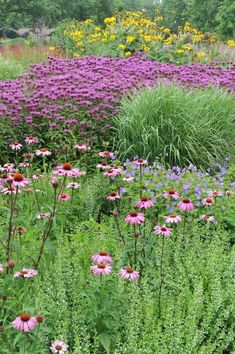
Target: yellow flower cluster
131,32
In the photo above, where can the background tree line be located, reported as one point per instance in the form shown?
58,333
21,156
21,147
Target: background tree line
208,16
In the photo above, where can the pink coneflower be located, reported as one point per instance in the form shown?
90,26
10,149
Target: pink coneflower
172,218
19,180
31,140
128,178
73,185
42,152
208,201
21,230
10,190
111,173
40,318
82,147
43,216
10,264
7,167
214,194
67,170
106,154
24,323
185,205
63,197
1,267
26,273
139,162
16,146
209,218
171,194
135,218
103,166
144,203
162,230
102,257
113,196
101,269
28,155
24,164
129,274
37,176
59,347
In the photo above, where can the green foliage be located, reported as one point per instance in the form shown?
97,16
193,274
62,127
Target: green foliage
178,125
197,301
226,18
10,69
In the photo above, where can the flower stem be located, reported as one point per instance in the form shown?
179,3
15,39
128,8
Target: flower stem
161,278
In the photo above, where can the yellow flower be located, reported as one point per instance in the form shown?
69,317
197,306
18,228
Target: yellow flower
169,40
110,20
145,48
187,46
122,46
127,54
166,30
88,22
51,48
112,37
130,39
97,29
76,55
231,43
198,37
180,51
200,54
146,38
159,18
104,40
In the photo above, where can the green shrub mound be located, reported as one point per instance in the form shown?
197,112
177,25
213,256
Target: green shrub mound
179,125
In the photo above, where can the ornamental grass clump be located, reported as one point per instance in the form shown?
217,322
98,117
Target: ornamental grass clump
179,126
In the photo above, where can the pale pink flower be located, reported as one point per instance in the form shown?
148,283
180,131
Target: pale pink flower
144,203
24,323
101,269
229,193
162,230
43,216
172,218
208,201
102,257
26,273
21,229
37,176
113,196
135,218
24,164
210,218
67,170
111,173
185,205
103,166
82,147
128,178
31,140
19,180
63,197
16,146
106,154
129,274
1,267
214,194
10,190
28,155
42,152
59,347
171,194
7,167
73,185
139,162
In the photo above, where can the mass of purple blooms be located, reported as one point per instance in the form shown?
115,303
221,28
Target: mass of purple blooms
86,92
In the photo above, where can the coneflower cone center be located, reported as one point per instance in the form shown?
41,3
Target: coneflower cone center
103,253
25,317
67,166
18,177
186,200
129,270
101,265
58,347
133,214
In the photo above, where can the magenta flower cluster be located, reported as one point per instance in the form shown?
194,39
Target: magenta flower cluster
85,93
